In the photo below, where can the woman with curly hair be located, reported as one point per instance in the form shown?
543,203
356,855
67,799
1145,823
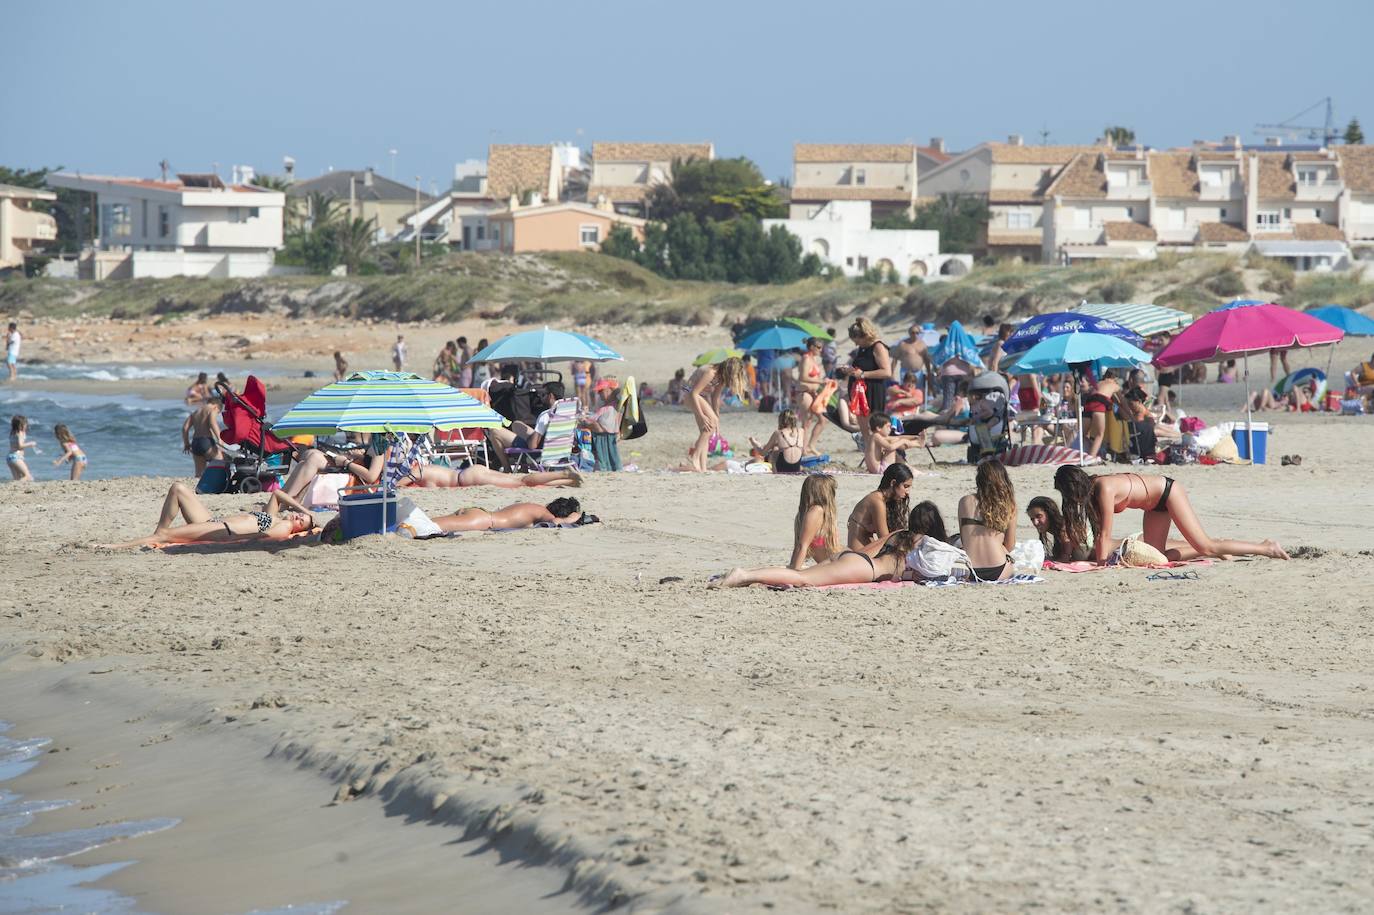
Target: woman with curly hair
1093,502
882,511
1049,522
705,386
987,523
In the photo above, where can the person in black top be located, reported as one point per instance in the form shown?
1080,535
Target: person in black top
872,363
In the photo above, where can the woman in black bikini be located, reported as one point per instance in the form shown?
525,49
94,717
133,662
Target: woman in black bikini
280,519
987,523
882,511
1093,501
849,568
784,448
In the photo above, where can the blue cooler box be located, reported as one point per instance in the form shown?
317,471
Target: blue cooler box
360,514
1259,432
214,480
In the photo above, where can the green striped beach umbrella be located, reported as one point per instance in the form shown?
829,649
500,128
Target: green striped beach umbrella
385,402
1145,320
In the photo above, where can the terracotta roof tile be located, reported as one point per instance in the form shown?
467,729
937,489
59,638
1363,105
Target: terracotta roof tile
1015,195
1014,238
1129,231
1357,168
1082,177
1317,231
515,169
651,152
804,193
1172,174
933,153
856,152
618,193
1045,155
1276,179
1220,232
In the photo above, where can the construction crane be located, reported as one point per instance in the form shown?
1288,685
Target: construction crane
1292,130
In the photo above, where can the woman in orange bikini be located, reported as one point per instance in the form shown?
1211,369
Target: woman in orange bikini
815,533
810,383
1093,501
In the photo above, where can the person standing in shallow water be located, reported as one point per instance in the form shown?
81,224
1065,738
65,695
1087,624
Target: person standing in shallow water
13,340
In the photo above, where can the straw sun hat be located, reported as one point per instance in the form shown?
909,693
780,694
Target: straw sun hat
1225,452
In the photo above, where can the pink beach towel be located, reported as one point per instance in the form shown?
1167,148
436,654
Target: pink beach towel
1086,566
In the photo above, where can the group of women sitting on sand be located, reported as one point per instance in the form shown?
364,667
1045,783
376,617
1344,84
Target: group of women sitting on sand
883,534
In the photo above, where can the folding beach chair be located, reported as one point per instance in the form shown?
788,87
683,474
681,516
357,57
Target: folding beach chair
556,450
458,445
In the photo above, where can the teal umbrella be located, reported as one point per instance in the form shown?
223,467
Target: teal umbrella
546,346
385,402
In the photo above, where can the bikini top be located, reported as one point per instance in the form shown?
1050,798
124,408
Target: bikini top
981,523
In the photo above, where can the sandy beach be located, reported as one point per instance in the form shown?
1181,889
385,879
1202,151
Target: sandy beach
1095,741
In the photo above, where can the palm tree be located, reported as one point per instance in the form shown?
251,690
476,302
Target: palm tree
352,239
1119,136
322,209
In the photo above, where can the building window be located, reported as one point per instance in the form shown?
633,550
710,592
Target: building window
1268,218
1211,177
863,263
164,222
1018,220
496,234
116,220
1130,212
1309,177
589,235
253,212
1224,213
481,232
849,262
1318,213
860,176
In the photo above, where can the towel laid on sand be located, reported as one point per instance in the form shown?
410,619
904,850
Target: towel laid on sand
1086,566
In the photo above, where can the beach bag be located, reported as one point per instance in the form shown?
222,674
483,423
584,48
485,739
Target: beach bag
1028,556
936,560
1135,553
858,398
324,490
823,396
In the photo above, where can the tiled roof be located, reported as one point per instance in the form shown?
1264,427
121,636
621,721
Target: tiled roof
618,193
1217,155
651,152
1317,231
1220,232
514,169
1045,155
1129,231
1172,174
931,152
803,193
1082,177
1357,167
1276,180
856,152
337,183
1013,238
1015,195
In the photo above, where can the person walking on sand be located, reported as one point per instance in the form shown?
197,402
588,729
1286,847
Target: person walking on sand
464,363
199,392
71,451
706,386
913,355
200,434
340,366
19,440
398,353
13,340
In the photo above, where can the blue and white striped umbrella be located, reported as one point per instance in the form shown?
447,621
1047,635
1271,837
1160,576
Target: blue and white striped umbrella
546,346
958,344
1042,327
385,402
1146,320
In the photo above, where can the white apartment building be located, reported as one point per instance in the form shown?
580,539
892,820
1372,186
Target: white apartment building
841,234
885,175
21,226
623,173
195,225
1287,204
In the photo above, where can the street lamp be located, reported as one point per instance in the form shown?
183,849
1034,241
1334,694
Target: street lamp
418,226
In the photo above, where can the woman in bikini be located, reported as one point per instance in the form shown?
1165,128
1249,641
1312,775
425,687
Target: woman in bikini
851,567
815,535
1094,501
784,448
563,511
987,523
1096,406
281,518
810,383
882,511
706,386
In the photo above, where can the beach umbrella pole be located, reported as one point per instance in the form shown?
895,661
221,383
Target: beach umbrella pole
1249,412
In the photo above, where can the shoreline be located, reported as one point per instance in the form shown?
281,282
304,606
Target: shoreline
352,832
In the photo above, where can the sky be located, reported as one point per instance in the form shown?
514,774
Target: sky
115,88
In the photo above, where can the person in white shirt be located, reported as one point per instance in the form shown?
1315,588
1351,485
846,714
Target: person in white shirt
398,353
12,344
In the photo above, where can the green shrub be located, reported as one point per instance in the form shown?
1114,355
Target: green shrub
1226,283
1187,298
1116,290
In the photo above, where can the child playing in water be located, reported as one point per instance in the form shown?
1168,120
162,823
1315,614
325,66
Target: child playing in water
19,440
71,451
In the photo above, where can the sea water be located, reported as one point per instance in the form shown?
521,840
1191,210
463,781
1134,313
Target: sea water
34,875
122,434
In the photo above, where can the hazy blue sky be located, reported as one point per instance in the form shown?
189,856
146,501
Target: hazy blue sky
116,87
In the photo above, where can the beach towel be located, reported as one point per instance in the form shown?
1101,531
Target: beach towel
1085,566
1018,579
1021,455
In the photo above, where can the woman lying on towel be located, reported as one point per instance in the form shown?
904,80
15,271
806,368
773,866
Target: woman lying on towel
281,518
849,568
563,512
1093,501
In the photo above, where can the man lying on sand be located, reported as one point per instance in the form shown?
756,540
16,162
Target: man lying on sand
281,518
565,512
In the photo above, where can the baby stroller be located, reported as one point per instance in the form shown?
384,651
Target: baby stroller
989,432
262,456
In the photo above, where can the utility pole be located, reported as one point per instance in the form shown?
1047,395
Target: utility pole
417,221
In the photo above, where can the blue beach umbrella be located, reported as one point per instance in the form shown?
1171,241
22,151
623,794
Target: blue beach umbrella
1063,352
385,402
546,346
776,336
958,344
1347,319
1042,327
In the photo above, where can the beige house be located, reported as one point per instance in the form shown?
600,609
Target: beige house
21,226
1357,172
364,195
1132,203
1012,178
623,173
558,227
885,175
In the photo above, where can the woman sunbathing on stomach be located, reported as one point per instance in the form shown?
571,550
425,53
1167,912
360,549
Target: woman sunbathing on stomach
882,511
280,519
849,568
564,512
1095,500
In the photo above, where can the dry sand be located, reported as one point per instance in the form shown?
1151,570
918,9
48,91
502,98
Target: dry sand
1096,741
